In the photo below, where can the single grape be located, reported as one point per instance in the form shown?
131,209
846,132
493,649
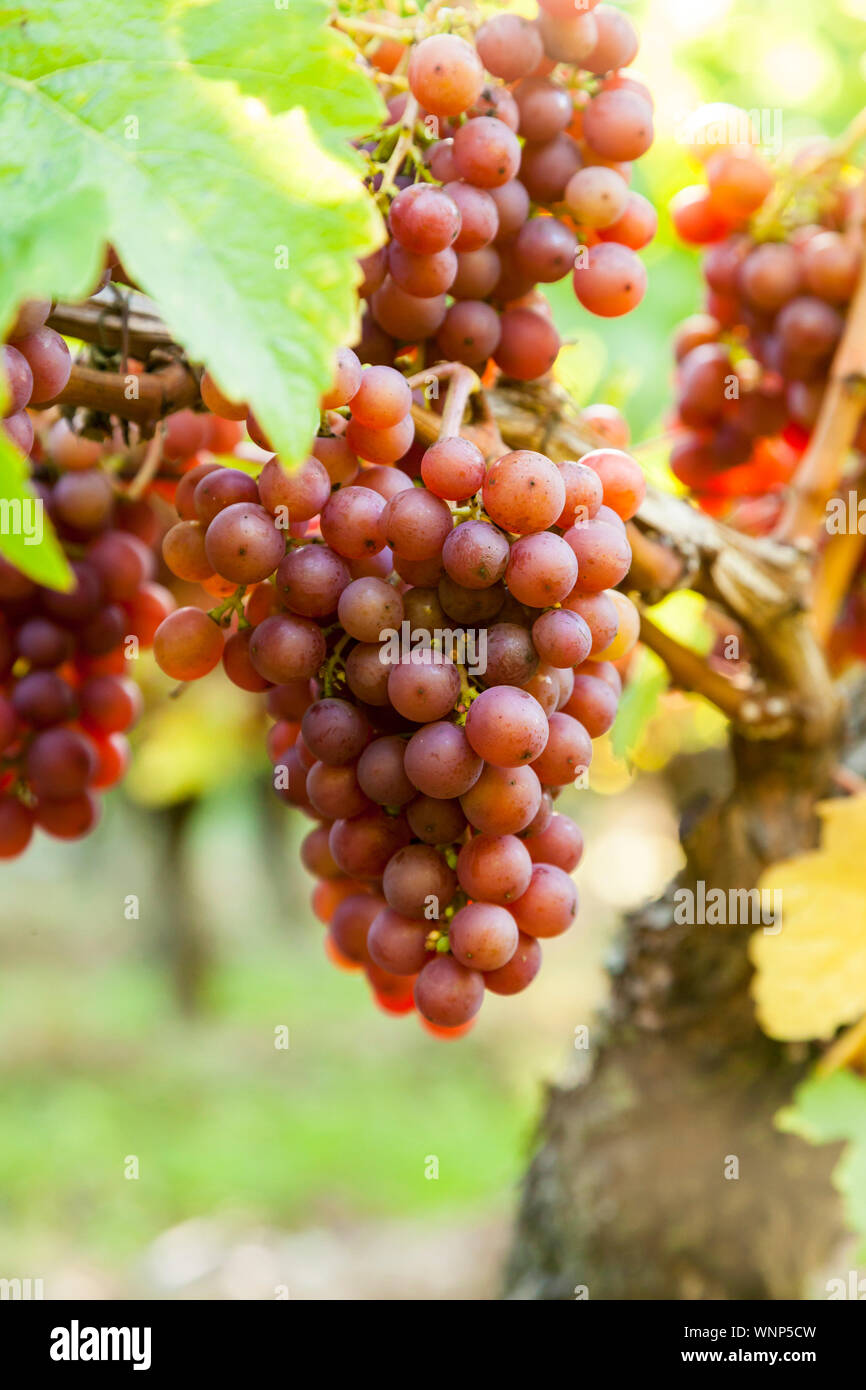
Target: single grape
506,726
440,761
594,703
454,468
542,569
568,40
469,333
436,821
561,638
486,153
519,971
423,686
347,379
547,167
510,658
549,905
351,923
109,704
335,791
509,46
479,216
528,345
367,673
60,763
612,282
503,801
421,276
523,491
335,731
424,219
445,74
511,201
286,648
475,554
50,363
477,273
617,42
350,522
187,644
16,827
381,772
18,377
369,609
567,753
397,943
597,196
43,698
310,580
636,226
739,181
415,524
544,249
364,845
243,544
183,550
447,993
302,491
238,665
483,936
418,883
494,868
545,109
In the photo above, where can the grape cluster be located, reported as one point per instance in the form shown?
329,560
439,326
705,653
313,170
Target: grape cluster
437,654
517,174
66,703
36,366
781,265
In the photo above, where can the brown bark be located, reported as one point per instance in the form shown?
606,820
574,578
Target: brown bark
627,1192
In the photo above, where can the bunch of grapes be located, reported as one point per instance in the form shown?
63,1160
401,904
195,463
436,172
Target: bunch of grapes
782,261
66,702
437,654
506,165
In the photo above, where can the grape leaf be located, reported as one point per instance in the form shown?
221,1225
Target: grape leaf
811,976
827,1109
240,222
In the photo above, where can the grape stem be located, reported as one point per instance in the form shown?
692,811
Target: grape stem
460,387
401,149
232,604
149,466
333,661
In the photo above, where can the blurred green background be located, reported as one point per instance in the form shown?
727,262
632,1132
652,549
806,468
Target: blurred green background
148,1044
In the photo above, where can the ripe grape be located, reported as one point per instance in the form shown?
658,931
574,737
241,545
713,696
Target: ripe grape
445,74
187,644
495,868
483,936
549,905
284,648
447,993
528,344
486,153
612,282
542,569
523,491
441,762
418,883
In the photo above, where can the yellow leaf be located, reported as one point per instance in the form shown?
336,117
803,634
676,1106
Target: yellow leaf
811,976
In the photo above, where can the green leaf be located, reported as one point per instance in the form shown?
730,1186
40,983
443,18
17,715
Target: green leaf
243,225
27,538
828,1109
648,680
310,64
